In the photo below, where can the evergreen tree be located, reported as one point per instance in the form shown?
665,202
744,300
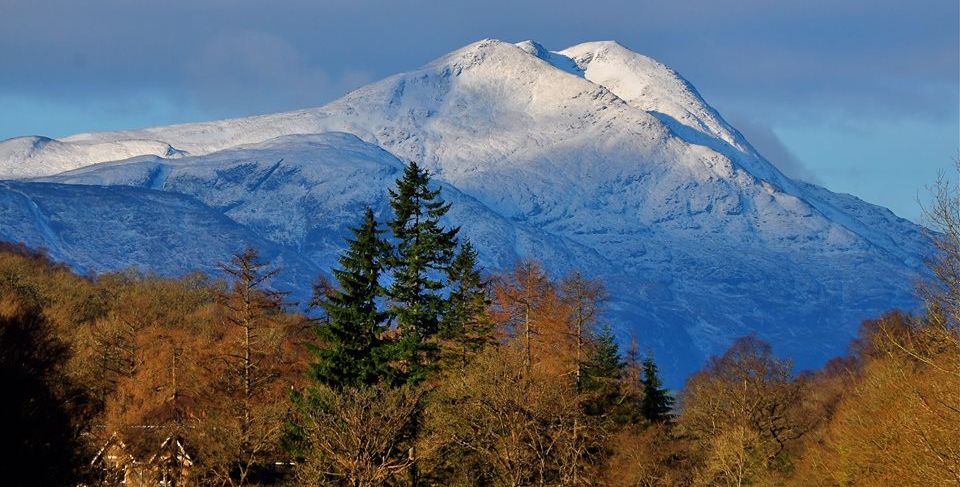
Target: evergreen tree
602,373
352,353
424,249
657,402
465,326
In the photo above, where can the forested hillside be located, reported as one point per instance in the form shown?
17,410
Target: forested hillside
414,366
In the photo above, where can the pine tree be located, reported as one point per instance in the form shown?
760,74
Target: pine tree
424,249
352,352
657,402
602,373
465,325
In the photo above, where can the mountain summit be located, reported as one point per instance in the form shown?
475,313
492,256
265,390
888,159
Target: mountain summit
592,157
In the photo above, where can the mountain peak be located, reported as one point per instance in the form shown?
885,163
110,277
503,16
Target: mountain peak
601,46
534,48
557,60
593,157
654,87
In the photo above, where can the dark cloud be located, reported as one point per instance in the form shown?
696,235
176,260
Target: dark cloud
790,58
265,71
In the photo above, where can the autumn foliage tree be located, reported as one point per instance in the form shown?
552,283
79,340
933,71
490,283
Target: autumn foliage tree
146,355
741,412
521,306
895,421
253,371
358,437
895,417
584,298
507,425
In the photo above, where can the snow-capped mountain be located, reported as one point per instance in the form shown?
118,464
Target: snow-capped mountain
593,157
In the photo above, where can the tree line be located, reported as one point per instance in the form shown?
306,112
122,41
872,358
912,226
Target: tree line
412,366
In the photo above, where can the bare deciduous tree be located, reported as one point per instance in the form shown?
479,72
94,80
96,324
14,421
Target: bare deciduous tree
517,425
741,411
247,399
359,436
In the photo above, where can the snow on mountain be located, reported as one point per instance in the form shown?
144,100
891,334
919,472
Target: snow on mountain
648,85
97,228
304,191
39,156
592,157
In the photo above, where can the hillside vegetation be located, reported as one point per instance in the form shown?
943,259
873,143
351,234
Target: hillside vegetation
411,366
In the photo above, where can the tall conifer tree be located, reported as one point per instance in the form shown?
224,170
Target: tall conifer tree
657,402
465,327
602,373
353,349
424,249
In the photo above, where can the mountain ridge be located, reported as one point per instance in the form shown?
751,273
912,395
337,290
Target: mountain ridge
610,162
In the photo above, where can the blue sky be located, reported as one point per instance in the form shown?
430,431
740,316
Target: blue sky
862,96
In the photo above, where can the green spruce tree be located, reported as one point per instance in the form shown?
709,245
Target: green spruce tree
423,253
465,327
352,353
602,374
657,402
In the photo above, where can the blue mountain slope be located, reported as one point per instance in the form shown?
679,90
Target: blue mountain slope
593,158
98,229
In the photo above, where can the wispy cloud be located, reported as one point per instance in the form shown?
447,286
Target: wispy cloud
768,143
